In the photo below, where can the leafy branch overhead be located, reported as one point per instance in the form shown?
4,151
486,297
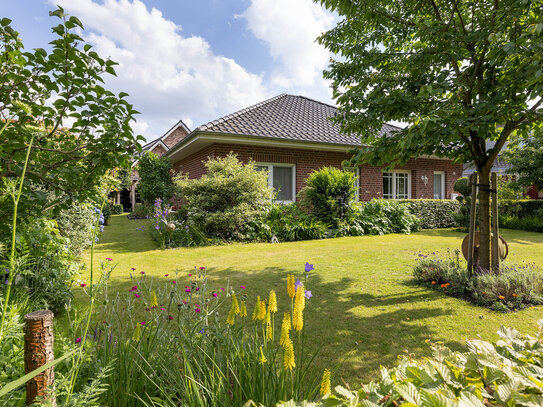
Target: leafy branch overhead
459,73
81,129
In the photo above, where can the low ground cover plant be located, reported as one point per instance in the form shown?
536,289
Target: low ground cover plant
506,373
509,288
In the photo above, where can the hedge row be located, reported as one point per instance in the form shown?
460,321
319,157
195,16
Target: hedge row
520,208
434,213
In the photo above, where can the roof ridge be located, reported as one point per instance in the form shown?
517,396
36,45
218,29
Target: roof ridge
239,112
314,100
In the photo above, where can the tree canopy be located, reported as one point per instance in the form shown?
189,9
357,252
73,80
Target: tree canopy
155,181
459,73
80,130
525,155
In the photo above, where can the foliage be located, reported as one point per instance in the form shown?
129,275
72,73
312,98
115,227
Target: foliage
329,193
180,342
504,373
382,216
447,69
43,92
522,214
116,209
434,213
462,186
525,156
141,211
509,288
508,189
154,178
227,198
76,225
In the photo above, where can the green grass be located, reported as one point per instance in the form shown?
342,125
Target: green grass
365,309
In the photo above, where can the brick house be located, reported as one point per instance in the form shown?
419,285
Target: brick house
291,136
128,197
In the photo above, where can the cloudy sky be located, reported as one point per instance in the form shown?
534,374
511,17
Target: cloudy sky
194,60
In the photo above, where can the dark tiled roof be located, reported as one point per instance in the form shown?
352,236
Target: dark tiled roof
287,117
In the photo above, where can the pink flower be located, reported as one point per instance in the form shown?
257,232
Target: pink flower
202,268
222,289
142,272
187,290
77,340
196,305
165,275
142,323
190,275
134,288
185,302
162,309
197,289
173,281
109,259
215,295
170,317
83,284
146,309
133,269
242,287
197,310
137,295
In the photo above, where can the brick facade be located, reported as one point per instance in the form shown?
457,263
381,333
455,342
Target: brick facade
306,161
175,137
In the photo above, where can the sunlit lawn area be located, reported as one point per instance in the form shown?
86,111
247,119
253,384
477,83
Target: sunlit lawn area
365,310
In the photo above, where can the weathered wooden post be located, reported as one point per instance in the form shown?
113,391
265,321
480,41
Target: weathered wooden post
495,225
39,351
472,220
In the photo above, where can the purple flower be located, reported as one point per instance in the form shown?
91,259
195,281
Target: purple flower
78,340
308,267
137,295
308,294
96,239
202,331
142,323
157,227
134,288
187,290
298,284
109,259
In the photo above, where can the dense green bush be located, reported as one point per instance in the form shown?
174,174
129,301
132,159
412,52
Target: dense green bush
76,225
509,288
521,208
382,216
434,213
227,198
329,194
506,373
116,209
154,178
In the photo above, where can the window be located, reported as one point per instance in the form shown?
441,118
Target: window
397,185
281,178
356,172
439,185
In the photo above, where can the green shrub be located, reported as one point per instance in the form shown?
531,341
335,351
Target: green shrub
521,208
509,288
329,194
505,373
154,178
462,186
106,213
382,216
116,209
227,198
141,211
76,225
434,213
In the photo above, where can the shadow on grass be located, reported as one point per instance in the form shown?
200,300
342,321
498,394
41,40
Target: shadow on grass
346,328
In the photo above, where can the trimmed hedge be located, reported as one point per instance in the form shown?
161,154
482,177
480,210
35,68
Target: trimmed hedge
117,209
434,213
520,208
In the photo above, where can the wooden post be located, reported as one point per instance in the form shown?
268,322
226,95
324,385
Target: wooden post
39,351
495,225
472,218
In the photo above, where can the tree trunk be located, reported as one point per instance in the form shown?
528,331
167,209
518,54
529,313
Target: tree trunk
484,218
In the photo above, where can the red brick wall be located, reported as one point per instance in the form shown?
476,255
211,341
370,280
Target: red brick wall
371,178
175,137
159,150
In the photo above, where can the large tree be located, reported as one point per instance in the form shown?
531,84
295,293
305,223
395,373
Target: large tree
525,155
463,75
56,101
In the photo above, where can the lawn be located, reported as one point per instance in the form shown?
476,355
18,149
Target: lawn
365,310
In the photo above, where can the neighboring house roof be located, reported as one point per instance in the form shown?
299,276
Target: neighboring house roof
161,140
283,118
500,167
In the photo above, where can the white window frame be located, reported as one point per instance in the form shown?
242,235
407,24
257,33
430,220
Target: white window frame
356,181
442,173
394,172
270,178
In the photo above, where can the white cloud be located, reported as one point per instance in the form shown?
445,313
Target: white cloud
289,28
167,75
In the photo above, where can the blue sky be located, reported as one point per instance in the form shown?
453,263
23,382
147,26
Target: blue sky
194,60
